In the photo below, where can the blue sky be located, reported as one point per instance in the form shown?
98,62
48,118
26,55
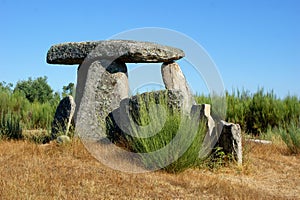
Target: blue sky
253,43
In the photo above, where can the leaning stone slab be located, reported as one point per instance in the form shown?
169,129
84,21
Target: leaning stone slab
174,79
126,51
63,117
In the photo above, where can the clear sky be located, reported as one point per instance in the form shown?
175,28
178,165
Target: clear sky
253,43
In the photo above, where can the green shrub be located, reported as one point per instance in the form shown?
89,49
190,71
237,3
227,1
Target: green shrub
291,112
238,107
33,115
259,112
177,139
38,136
38,115
10,127
217,159
291,137
265,110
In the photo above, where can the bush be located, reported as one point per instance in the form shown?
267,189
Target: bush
291,137
238,107
10,127
175,139
259,112
14,106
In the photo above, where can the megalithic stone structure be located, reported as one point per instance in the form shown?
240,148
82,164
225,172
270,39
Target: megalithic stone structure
102,80
102,83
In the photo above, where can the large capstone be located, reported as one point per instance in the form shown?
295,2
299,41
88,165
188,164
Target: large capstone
174,79
126,51
63,117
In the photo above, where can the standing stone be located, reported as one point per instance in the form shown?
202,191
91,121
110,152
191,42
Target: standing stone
220,134
63,117
230,140
174,79
205,112
211,137
101,86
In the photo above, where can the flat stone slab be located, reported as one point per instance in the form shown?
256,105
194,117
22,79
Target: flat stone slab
127,51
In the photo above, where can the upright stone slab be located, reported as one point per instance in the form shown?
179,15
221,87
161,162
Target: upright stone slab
220,134
174,80
100,88
63,117
211,137
230,140
205,112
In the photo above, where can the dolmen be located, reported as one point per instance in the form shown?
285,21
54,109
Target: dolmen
102,82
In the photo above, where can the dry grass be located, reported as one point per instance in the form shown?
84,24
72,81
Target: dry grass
30,171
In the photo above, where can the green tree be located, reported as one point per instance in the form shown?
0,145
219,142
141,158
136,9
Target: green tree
35,89
68,90
7,87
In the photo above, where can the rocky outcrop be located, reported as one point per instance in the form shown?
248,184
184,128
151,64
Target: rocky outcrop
63,117
126,51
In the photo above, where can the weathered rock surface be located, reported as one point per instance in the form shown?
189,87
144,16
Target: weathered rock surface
63,116
220,134
205,112
126,51
230,140
211,137
174,79
99,92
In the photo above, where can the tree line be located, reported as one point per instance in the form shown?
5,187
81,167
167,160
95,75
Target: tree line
37,90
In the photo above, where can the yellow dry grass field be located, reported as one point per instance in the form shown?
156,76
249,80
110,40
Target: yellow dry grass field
31,171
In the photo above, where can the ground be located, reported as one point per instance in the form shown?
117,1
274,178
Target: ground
31,171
